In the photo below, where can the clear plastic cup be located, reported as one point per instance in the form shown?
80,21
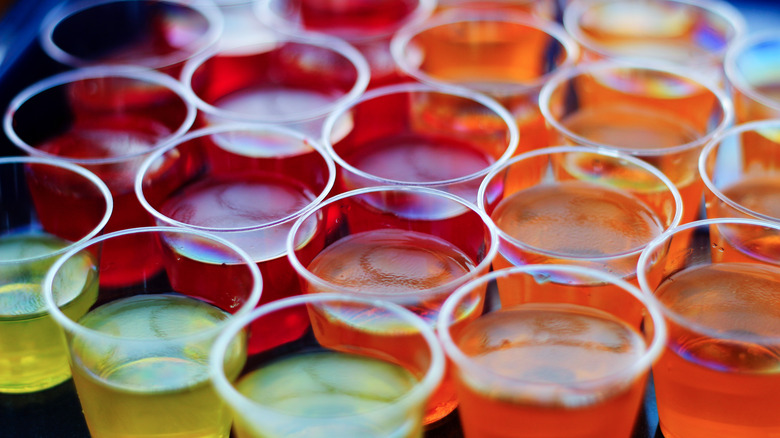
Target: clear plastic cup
108,119
159,34
579,206
718,294
141,352
555,359
350,374
689,33
741,172
246,184
294,81
47,207
411,246
369,26
752,64
418,135
504,54
663,115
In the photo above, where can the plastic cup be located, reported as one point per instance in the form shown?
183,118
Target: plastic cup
555,361
399,244
47,207
506,55
664,116
718,373
158,34
294,81
350,374
108,120
741,172
246,184
369,26
688,33
141,352
417,135
752,64
578,206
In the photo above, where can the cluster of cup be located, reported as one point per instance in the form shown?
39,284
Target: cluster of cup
483,122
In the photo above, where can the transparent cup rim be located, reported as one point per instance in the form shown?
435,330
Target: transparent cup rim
731,64
97,72
615,65
79,330
652,352
267,15
91,177
66,10
410,87
325,42
420,391
645,262
481,195
308,276
577,8
714,145
221,129
404,36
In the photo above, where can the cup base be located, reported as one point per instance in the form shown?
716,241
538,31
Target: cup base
25,387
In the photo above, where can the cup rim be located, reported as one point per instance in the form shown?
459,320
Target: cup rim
91,177
403,37
714,145
66,10
644,362
726,11
308,276
96,72
645,261
234,127
557,80
731,62
411,87
420,391
267,15
79,330
481,195
319,41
